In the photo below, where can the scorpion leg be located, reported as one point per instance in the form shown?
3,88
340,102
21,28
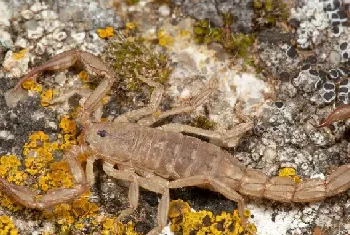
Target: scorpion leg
153,183
216,185
29,198
155,100
89,171
227,139
338,181
194,103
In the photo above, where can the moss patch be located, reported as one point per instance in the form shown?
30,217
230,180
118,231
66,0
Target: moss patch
236,43
132,60
269,12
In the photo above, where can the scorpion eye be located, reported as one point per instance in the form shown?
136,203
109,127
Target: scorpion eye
102,133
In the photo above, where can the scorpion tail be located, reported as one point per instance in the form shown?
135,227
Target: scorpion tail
284,189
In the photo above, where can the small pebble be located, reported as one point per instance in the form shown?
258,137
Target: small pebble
328,96
329,86
60,36
164,10
5,39
49,15
284,77
343,46
269,155
78,37
36,7
292,52
21,42
334,57
27,14
294,23
35,34
40,48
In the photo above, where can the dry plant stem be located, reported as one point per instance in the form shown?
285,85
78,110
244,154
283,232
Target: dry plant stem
158,159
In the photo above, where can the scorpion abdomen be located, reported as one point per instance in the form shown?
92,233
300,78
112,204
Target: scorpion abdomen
170,155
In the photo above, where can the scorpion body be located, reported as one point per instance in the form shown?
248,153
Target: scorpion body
174,156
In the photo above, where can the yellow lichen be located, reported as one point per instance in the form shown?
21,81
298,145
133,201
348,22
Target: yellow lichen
105,99
130,25
102,33
83,75
177,208
9,169
39,159
31,85
19,55
108,223
46,97
106,32
289,172
75,215
127,229
67,125
186,222
165,39
109,31
6,226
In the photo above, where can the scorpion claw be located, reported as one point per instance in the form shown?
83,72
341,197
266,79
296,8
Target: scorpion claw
58,62
340,113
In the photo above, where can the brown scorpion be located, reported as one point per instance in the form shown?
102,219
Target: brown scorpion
159,159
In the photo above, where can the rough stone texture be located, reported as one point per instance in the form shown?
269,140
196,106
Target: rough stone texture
307,84
242,10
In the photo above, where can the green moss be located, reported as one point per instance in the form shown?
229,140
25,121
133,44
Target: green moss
269,12
131,60
240,43
204,33
236,43
227,19
132,2
162,1
203,123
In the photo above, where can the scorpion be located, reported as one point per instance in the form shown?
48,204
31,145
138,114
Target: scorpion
163,158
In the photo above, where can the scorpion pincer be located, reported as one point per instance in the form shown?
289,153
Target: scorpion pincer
159,159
